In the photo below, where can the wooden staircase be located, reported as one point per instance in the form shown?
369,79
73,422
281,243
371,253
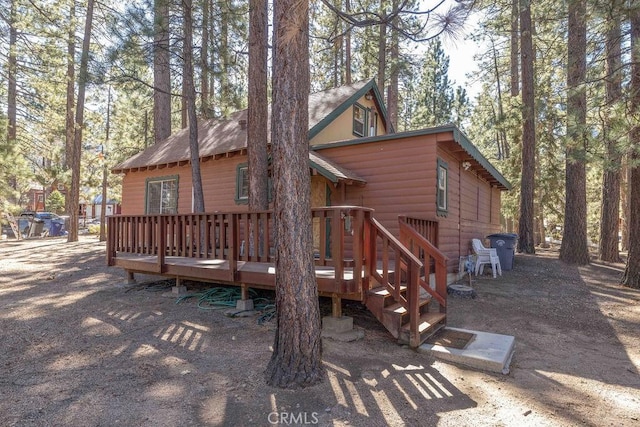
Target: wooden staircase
395,317
401,299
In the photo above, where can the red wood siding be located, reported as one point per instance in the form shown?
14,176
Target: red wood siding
401,180
400,177
218,184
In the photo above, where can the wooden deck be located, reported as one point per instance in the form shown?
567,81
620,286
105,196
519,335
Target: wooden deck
355,258
257,274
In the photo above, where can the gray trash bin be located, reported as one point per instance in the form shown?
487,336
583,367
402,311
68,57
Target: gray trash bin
505,244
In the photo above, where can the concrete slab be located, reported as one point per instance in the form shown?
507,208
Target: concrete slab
487,351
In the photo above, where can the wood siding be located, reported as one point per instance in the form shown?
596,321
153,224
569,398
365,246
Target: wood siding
474,210
401,180
218,184
400,175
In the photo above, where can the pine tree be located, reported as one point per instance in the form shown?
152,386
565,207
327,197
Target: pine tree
297,349
526,241
631,276
574,248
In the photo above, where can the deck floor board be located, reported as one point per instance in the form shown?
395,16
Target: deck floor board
259,274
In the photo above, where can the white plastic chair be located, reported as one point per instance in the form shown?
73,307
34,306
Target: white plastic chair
486,256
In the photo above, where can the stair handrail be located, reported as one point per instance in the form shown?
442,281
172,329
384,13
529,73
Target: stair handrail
407,269
413,240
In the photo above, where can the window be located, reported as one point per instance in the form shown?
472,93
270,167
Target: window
441,191
40,198
242,184
359,120
162,195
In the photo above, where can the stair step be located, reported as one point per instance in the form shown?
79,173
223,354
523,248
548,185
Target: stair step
430,323
427,320
399,309
383,292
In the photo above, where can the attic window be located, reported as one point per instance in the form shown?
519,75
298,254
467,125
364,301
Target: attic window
442,197
359,120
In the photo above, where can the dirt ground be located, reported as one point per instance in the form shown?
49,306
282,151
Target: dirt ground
80,347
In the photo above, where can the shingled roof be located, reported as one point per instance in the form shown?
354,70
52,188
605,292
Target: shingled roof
222,136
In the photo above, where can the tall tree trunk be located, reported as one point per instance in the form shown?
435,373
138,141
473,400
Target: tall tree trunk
212,74
382,54
526,232
574,249
190,92
610,209
79,124
161,72
515,80
105,172
502,133
257,112
514,77
394,54
12,69
204,61
631,276
184,109
71,79
624,202
225,90
347,48
297,350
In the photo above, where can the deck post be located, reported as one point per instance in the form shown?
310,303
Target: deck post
244,291
336,305
162,242
131,279
179,288
244,303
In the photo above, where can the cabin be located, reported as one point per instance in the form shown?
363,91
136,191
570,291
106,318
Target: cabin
392,212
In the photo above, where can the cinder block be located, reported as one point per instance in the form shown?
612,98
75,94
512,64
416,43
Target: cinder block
179,290
337,324
244,304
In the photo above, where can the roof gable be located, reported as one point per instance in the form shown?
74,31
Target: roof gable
362,88
222,136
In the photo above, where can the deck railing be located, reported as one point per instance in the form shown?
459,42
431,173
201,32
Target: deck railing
427,228
338,237
429,257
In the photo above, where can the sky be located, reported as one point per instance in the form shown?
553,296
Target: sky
461,61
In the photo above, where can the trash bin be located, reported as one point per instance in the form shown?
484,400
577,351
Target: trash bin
37,228
505,245
56,228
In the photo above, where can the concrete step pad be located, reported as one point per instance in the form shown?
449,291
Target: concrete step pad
486,351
